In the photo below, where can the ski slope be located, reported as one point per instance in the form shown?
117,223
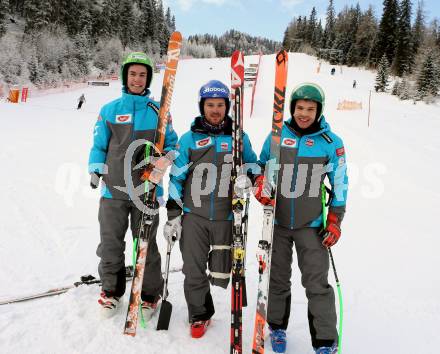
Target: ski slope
388,249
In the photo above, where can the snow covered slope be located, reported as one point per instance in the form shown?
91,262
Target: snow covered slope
386,259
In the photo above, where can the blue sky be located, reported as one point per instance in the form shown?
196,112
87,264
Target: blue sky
265,18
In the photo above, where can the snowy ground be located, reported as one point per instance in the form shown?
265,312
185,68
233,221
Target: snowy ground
49,228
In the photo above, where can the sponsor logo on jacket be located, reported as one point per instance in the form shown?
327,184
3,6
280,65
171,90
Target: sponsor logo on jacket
203,142
289,142
123,118
340,151
224,146
310,142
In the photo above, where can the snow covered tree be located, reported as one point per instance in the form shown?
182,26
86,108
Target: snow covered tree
126,20
383,73
418,29
428,83
108,20
387,35
404,52
4,9
37,15
405,89
163,32
396,88
329,31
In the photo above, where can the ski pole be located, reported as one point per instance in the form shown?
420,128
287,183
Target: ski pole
338,285
166,308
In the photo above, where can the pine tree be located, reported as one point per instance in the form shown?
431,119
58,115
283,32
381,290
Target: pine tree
388,32
329,31
109,19
173,23
126,20
383,72
311,29
4,9
396,88
405,88
37,15
418,29
163,32
404,53
428,81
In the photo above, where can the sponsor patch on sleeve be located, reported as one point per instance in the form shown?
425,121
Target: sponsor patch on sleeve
289,142
340,151
203,142
341,161
99,118
123,118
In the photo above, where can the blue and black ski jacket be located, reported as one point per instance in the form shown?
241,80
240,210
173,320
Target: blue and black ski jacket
304,162
120,123
200,179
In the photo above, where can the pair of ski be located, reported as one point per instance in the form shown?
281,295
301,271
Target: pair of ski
147,218
240,205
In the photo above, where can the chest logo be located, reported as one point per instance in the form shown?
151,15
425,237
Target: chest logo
203,142
123,118
224,146
310,142
289,142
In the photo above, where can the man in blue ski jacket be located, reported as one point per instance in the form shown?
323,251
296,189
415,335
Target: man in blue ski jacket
309,153
199,203
122,127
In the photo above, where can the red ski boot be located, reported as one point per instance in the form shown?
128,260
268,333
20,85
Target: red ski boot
199,328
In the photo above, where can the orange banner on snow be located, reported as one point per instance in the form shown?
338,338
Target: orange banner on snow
13,95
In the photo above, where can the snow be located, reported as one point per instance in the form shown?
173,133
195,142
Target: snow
386,259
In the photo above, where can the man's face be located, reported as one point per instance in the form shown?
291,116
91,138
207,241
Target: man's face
305,113
136,78
215,110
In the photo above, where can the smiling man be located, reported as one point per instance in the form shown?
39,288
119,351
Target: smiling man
309,153
200,199
121,122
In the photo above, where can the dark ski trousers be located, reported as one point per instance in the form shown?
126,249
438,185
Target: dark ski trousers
80,103
313,262
204,242
113,220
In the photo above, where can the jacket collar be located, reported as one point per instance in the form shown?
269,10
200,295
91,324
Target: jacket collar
197,126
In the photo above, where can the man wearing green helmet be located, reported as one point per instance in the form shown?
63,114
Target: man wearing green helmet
309,153
120,132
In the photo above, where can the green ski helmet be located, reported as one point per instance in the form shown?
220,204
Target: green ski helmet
137,58
308,91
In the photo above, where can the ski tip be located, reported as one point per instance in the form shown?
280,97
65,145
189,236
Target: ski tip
281,57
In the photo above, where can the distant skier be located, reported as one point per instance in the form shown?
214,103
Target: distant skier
310,151
333,71
81,101
130,117
354,84
199,203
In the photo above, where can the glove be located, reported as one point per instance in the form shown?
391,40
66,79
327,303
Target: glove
332,232
264,191
242,186
173,229
94,179
155,170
